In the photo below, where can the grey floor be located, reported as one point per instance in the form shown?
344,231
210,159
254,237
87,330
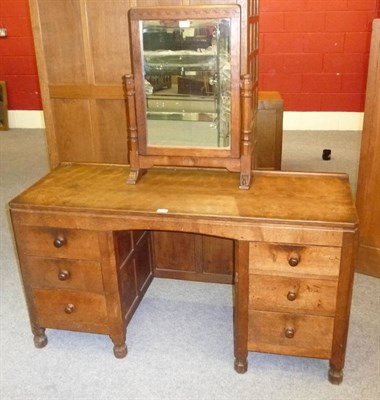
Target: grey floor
302,151
180,339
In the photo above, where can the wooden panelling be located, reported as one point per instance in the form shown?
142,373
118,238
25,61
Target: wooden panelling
63,45
268,149
143,262
368,193
167,245
3,107
217,255
73,126
203,258
112,140
109,40
128,286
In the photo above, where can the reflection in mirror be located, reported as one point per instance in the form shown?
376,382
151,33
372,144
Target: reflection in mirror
187,82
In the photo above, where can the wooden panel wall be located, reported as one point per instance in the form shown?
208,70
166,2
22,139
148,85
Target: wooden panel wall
80,62
368,192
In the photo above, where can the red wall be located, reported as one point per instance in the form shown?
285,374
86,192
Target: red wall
315,52
17,61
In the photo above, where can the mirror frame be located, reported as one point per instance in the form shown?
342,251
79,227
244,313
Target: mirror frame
235,158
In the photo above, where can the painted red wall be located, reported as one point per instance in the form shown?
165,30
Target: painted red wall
315,52
17,60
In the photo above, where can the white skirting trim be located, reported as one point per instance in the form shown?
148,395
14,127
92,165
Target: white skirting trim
323,121
26,119
293,120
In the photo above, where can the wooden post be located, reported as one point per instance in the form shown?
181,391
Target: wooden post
246,132
133,139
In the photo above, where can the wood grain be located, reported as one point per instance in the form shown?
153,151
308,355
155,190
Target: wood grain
368,193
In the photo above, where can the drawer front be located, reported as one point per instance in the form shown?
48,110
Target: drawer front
60,309
281,333
267,292
63,274
58,243
294,259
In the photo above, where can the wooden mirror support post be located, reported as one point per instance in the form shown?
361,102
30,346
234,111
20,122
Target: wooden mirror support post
133,137
246,132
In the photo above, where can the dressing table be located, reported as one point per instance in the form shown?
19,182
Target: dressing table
84,243
88,235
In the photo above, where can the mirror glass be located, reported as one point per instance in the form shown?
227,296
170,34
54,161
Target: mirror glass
187,82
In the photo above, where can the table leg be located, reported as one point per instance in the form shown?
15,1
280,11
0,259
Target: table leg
40,339
241,305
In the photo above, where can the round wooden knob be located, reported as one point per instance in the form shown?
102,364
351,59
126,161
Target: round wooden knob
69,309
292,295
289,333
63,275
294,259
59,242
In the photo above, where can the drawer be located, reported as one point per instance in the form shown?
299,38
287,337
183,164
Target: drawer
290,294
63,309
291,334
58,243
61,273
289,259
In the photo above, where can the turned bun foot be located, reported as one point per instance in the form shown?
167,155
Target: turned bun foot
335,376
40,340
241,366
120,350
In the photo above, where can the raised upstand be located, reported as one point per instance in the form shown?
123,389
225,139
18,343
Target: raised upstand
84,240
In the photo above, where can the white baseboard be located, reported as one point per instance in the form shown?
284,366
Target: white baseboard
323,121
26,119
293,120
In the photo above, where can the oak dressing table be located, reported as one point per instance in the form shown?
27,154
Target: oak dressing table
86,239
84,244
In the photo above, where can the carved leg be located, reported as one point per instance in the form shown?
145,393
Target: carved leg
120,350
241,364
335,375
40,339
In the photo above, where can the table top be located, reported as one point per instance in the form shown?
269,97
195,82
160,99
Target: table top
320,198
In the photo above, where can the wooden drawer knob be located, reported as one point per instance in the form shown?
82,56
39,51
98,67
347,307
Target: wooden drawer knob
294,259
289,333
292,295
69,309
59,242
63,275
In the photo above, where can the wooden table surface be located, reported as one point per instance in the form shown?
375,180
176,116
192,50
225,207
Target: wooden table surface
194,193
